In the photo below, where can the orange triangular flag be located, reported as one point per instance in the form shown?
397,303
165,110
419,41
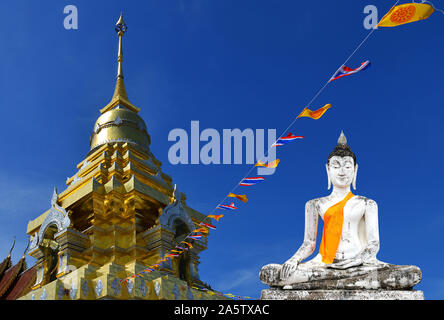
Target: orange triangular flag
314,114
272,164
216,217
406,13
203,229
241,197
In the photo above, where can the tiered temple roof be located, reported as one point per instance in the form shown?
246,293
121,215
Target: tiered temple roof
15,280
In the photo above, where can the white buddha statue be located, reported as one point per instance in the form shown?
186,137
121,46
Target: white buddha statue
350,240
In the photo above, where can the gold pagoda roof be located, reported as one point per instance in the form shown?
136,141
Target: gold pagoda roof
120,125
119,121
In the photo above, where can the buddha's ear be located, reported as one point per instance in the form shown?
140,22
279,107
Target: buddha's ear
328,176
354,177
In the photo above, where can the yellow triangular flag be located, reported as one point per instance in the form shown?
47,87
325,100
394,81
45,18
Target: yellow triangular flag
202,229
406,13
272,164
241,197
216,217
314,114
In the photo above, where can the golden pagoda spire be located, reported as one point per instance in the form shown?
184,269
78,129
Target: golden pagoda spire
120,96
120,87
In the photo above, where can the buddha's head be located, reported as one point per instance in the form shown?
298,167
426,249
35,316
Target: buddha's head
341,166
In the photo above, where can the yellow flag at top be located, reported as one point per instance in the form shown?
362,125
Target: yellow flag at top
406,13
314,114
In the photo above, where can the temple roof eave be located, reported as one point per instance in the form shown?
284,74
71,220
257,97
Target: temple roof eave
5,265
122,101
135,184
10,277
23,284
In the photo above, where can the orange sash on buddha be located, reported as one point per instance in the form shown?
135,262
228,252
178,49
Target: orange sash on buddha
331,235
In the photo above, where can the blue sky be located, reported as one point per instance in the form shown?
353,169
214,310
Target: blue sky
233,64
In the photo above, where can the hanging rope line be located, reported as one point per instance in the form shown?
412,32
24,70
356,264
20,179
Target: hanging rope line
124,281
308,105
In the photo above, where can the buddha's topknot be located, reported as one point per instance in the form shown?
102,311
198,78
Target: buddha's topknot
342,149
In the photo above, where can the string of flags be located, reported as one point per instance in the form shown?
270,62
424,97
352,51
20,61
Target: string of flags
397,15
204,227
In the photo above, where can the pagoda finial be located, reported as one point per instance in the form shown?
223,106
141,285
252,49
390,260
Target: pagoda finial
120,97
120,87
120,29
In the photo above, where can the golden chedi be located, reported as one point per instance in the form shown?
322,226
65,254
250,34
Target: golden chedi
118,215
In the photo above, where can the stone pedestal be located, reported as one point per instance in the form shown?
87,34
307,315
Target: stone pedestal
279,294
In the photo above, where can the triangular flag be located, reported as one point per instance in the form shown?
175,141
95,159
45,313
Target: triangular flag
271,164
216,217
406,13
314,114
241,197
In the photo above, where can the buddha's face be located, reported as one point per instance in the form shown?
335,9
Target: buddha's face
341,171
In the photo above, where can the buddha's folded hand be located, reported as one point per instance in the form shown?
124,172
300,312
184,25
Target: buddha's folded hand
347,263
